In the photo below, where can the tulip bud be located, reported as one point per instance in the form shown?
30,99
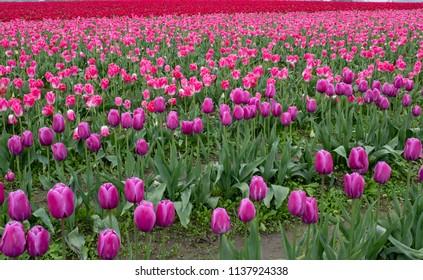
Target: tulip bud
324,162
13,240
207,106
1,193
409,85
58,123
382,172
330,91
286,119
113,117
238,113
104,131
246,211
265,109
197,126
348,77
376,84
15,145
363,86
297,203
108,196
172,120
9,177
70,115
220,221
276,109
340,88
187,127
311,105
321,85
358,160
270,90
126,120
416,111
398,81
412,149
237,96
141,147
138,121
38,239
108,244
258,188
134,190
84,130
406,100
293,110
60,201
144,216
27,139
353,185
59,151
93,142
311,212
165,213
18,206
159,104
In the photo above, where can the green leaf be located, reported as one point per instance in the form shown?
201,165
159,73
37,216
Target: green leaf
268,198
254,244
228,250
248,169
244,188
155,194
270,159
212,201
285,243
183,212
45,182
280,193
76,242
409,252
129,164
42,214
341,151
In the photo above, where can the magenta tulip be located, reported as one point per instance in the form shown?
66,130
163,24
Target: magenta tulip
187,127
126,120
265,109
238,113
207,106
15,145
144,216
13,240
10,176
358,160
220,221
258,188
84,130
324,162
321,85
1,193
58,123
270,91
138,122
416,111
93,142
276,109
197,125
60,201
18,206
27,139
141,147
353,185
108,244
413,149
108,196
246,211
59,151
382,172
286,119
297,203
172,120
165,213
311,212
113,117
406,100
159,104
134,190
38,239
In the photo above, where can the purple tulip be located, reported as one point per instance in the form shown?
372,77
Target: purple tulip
276,109
382,172
321,85
172,120
363,86
187,127
27,139
113,117
59,151
226,118
126,120
348,91
258,188
220,221
388,89
376,84
324,162
416,111
144,216
10,176
358,160
246,97
60,201
238,113
165,213
134,190
265,109
406,100
108,244
353,185
108,196
141,147
293,110
1,193
412,149
297,203
15,145
237,96
340,88
409,85
246,211
45,136
18,206
13,240
311,105
197,126
93,142
224,108
398,82
207,106
348,77
58,123
138,122
330,91
38,239
311,212
383,103
286,119
159,104
270,90
84,130
420,175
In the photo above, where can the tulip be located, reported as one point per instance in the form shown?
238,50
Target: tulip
382,172
58,123
13,240
276,109
297,203
134,190
246,211
270,91
363,86
108,244
197,126
420,175
330,91
358,160
224,108
144,216
409,85
348,77
286,119
60,201
187,127
258,188
207,106
1,193
165,213
27,139
353,185
293,111
265,109
18,206
311,105
416,111
104,131
340,88
238,113
113,117
108,196
406,100
413,149
220,221
84,130
70,115
324,162
376,84
237,96
9,177
172,120
348,91
141,147
138,121
159,104
93,142
38,239
398,81
126,120
311,212
321,85
59,151
15,145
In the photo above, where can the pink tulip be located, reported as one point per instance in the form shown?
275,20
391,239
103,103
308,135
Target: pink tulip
324,162
141,147
134,190
60,201
246,211
311,212
108,244
220,221
13,240
297,203
258,188
144,216
19,208
38,239
353,185
412,149
382,172
165,213
108,196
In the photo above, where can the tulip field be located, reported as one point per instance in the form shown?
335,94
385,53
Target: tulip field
129,127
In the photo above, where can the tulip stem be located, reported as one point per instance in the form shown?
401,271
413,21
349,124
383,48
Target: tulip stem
136,237
410,162
294,233
162,256
208,139
220,246
148,248
355,210
323,185
307,241
18,167
63,239
48,163
110,219
378,202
